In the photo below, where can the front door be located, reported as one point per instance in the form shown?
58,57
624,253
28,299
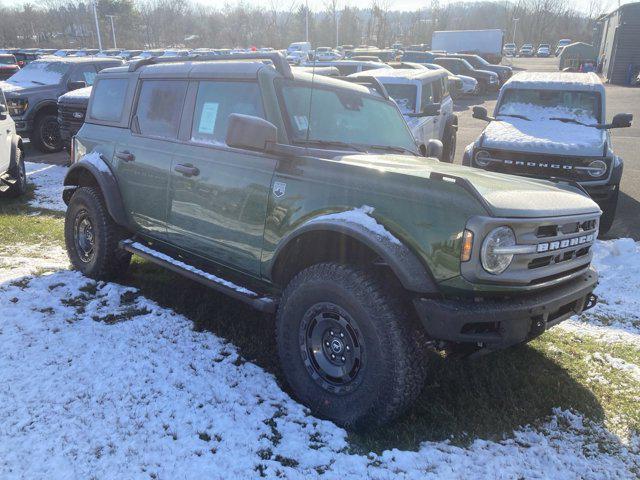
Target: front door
218,196
143,155
430,123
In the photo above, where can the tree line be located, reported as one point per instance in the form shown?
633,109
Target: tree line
180,23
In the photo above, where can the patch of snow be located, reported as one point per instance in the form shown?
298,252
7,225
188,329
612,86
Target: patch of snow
361,216
555,81
192,269
99,382
629,368
48,181
19,260
80,93
543,136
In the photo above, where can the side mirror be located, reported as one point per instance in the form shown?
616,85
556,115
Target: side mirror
434,149
250,133
621,120
76,85
3,113
480,113
431,110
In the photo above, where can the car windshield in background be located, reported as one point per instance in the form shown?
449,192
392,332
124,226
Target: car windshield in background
326,117
404,96
6,60
545,104
41,73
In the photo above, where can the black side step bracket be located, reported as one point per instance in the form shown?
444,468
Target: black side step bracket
263,303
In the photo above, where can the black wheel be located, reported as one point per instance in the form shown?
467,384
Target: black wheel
46,134
348,347
449,139
92,237
609,213
18,171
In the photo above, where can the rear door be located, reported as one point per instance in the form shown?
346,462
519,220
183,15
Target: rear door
218,195
6,129
143,155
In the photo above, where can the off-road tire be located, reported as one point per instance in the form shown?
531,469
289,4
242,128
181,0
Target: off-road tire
107,260
18,171
393,362
450,137
609,214
39,136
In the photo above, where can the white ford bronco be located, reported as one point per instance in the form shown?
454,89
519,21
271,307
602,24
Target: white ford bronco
424,100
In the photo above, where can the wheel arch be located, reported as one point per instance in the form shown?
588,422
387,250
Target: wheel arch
16,144
93,171
319,241
46,106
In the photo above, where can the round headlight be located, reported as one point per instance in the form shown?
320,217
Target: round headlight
492,262
598,168
482,158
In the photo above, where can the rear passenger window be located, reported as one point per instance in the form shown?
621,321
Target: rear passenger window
160,107
108,99
216,101
427,95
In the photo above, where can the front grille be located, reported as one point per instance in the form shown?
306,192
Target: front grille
544,166
68,119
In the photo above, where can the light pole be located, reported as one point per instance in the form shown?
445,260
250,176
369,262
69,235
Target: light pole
95,16
515,27
113,30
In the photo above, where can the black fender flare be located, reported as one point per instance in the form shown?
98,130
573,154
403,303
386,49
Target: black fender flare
452,122
94,165
413,275
37,109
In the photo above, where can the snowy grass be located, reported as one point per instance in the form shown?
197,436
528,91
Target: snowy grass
162,378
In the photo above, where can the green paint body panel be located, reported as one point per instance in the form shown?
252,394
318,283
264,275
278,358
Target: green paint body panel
230,215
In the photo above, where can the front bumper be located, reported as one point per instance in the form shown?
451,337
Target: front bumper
496,324
603,195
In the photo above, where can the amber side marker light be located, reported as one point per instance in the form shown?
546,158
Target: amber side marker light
467,244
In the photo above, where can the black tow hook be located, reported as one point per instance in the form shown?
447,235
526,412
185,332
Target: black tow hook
592,299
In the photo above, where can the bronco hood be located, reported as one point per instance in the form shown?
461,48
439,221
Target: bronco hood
543,136
502,195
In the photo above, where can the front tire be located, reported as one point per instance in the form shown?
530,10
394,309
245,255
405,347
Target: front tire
46,134
450,139
348,347
92,237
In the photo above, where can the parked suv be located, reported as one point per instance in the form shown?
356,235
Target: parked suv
32,94
13,177
424,100
305,196
552,125
487,81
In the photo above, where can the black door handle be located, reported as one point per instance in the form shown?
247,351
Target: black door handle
187,170
126,156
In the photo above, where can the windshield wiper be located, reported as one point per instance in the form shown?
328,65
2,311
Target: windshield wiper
571,120
330,143
391,148
515,115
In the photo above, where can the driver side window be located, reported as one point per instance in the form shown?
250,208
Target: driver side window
84,73
426,97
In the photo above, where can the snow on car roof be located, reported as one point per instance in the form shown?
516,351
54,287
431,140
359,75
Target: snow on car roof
555,81
401,73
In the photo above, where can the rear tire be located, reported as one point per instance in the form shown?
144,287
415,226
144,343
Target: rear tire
19,173
46,134
349,348
92,237
450,139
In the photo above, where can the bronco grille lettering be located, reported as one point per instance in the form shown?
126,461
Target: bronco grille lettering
567,242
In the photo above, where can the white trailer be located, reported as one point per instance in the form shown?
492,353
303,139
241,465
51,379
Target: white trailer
486,43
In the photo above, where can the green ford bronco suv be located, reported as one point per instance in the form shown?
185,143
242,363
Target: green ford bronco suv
305,196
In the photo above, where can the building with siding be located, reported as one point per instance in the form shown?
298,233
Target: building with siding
617,38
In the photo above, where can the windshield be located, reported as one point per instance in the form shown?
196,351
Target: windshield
477,62
343,116
545,104
41,73
404,95
7,60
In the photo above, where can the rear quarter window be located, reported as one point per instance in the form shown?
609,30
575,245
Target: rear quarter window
108,99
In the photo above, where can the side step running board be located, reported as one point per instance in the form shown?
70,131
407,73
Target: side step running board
262,303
